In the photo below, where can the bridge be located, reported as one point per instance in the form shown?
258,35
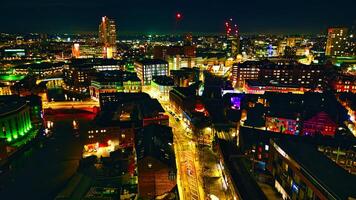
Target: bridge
90,106
51,82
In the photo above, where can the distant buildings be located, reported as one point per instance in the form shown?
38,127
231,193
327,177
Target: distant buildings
185,76
78,77
234,45
339,42
307,76
176,56
258,87
309,114
41,70
164,52
87,51
107,37
233,38
148,68
79,74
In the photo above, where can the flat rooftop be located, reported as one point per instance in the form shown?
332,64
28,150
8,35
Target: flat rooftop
152,61
10,103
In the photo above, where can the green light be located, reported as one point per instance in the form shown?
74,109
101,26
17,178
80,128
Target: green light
11,77
9,139
21,132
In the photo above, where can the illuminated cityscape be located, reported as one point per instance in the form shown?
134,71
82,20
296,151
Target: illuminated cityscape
178,101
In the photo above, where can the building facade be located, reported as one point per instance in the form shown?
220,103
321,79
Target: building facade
321,123
307,76
148,68
337,42
107,37
15,119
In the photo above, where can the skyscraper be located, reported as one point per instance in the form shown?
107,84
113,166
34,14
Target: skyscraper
107,37
233,38
337,42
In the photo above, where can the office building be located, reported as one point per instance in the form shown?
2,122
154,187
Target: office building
337,42
148,68
78,77
87,51
107,37
307,76
114,81
234,45
162,85
176,56
185,76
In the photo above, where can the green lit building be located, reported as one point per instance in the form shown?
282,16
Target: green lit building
15,119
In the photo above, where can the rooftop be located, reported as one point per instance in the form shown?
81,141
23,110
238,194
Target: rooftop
96,61
115,76
43,65
163,80
10,103
151,61
156,141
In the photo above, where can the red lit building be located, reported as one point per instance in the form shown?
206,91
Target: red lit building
344,84
282,125
320,123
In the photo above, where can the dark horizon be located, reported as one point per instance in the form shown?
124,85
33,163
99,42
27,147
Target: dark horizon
139,17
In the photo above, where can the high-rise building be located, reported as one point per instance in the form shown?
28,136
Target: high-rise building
107,37
233,38
337,42
75,50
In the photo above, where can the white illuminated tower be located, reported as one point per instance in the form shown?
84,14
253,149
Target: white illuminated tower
107,37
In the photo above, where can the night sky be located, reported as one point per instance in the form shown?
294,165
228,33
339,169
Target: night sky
158,16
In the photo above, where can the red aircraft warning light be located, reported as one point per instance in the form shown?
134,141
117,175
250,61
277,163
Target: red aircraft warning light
178,16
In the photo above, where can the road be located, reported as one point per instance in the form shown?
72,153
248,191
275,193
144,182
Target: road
189,179
44,169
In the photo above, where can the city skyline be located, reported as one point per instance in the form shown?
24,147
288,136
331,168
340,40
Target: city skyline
178,100
156,17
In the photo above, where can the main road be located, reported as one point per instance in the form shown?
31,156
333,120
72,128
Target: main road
189,178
